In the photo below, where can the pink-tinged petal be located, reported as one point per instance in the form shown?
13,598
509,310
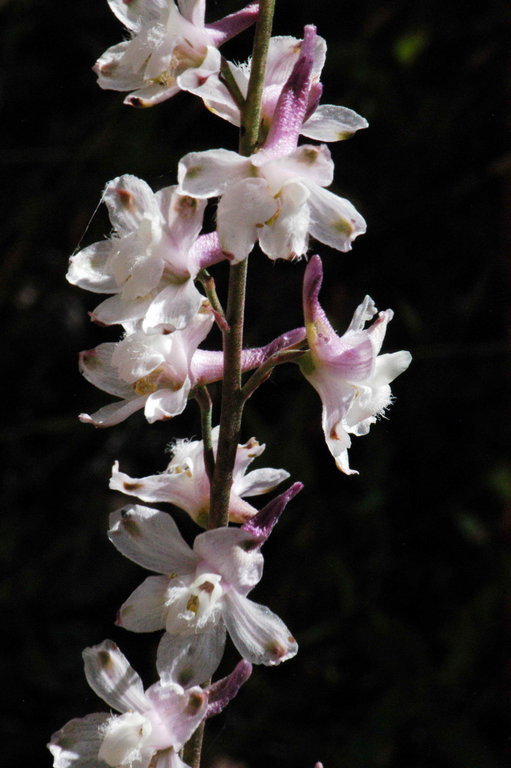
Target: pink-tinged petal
117,311
262,524
333,123
166,403
77,744
260,481
208,174
244,208
151,539
315,95
213,92
168,758
135,13
87,269
206,251
145,609
173,307
176,713
184,216
334,220
113,414
316,321
193,11
149,96
113,74
233,553
191,659
312,164
293,101
128,199
223,691
286,236
229,26
112,678
96,366
258,634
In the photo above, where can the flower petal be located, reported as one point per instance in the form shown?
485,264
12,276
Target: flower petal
173,307
145,609
96,366
191,659
243,209
334,220
128,199
233,553
260,481
165,403
151,539
180,710
77,744
113,414
258,634
112,678
87,269
332,123
208,174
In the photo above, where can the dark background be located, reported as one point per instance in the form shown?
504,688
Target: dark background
394,582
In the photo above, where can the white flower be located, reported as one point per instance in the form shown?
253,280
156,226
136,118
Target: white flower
166,41
347,371
151,260
153,724
325,122
185,482
202,591
275,200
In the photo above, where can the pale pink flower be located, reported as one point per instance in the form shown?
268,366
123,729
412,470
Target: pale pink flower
167,39
347,371
150,261
185,482
153,724
326,122
158,371
201,592
277,195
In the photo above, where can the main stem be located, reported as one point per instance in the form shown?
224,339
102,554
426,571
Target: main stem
232,400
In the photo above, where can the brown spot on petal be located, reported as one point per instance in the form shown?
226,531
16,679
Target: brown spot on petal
193,171
132,486
343,227
194,703
186,205
310,156
132,528
276,650
249,544
185,676
105,659
207,587
193,604
126,199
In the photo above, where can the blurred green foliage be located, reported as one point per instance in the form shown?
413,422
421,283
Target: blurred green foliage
395,582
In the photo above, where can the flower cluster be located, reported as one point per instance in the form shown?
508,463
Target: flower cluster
153,275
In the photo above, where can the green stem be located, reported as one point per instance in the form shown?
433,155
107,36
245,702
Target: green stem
205,405
232,399
230,83
208,283
193,747
265,371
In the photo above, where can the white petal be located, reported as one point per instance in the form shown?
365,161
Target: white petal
333,123
77,744
258,634
96,366
151,539
363,314
286,236
193,10
150,95
174,307
113,72
112,678
192,659
166,403
243,209
334,220
208,174
116,310
137,13
128,199
260,481
145,609
113,414
184,215
389,366
87,269
233,553
309,162
180,710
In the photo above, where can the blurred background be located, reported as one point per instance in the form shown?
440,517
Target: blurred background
394,582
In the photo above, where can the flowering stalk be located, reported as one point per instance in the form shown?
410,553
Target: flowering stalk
232,399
